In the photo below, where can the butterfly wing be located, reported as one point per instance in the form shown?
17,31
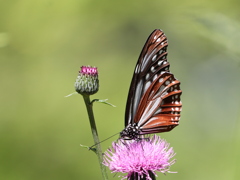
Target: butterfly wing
150,102
160,107
151,62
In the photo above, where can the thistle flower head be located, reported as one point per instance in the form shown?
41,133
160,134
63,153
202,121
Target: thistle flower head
87,82
139,159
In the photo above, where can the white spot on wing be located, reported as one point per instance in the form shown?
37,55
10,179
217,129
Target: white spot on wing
147,76
154,57
155,77
160,63
152,69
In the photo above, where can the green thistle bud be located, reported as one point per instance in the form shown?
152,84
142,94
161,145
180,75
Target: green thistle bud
87,81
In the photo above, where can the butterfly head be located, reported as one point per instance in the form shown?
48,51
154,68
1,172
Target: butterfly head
132,131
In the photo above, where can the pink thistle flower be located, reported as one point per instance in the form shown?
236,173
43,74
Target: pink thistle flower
87,82
140,159
89,70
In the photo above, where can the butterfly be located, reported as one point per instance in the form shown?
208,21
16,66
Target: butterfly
153,104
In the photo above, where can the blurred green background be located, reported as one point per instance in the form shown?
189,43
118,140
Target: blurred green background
42,45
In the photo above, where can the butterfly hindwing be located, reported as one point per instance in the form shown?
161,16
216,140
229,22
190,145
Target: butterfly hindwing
160,107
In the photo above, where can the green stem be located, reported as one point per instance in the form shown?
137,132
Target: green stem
95,135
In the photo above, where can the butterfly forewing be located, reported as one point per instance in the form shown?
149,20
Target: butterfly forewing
152,61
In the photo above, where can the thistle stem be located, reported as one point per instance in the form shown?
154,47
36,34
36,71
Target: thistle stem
95,135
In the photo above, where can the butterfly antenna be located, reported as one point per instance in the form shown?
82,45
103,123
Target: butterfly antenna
103,140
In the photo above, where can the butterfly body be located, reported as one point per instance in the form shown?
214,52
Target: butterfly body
153,104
